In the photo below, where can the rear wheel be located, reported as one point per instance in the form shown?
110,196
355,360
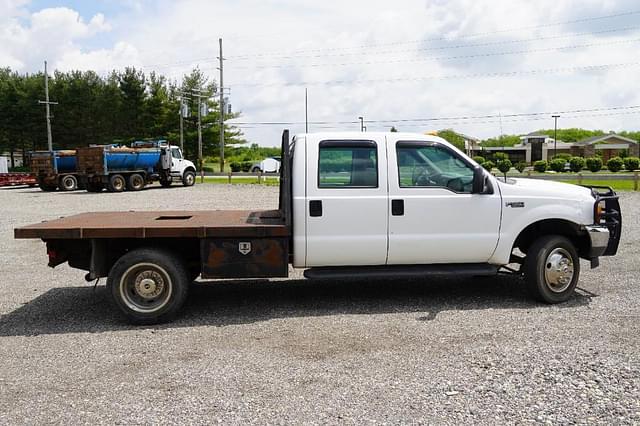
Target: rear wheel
136,182
188,178
149,286
116,183
68,183
552,269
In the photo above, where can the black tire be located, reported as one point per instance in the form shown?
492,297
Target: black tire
166,182
189,178
551,269
255,170
135,182
45,186
149,286
117,183
68,183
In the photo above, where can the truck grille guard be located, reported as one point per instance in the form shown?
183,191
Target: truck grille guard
611,217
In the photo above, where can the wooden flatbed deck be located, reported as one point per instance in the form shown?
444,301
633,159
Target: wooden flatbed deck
160,224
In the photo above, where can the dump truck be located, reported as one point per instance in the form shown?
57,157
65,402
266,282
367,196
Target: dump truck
120,168
55,169
351,205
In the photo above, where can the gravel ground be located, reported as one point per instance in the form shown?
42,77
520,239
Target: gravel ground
445,351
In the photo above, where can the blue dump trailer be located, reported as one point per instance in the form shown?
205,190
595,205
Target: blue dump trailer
120,168
55,169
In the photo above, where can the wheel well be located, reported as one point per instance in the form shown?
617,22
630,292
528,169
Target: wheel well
568,229
189,169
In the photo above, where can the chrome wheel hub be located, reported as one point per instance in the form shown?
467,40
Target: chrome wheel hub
149,284
558,270
146,287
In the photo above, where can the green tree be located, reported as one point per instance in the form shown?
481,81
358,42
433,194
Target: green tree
452,137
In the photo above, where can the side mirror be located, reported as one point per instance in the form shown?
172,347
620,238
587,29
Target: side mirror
479,180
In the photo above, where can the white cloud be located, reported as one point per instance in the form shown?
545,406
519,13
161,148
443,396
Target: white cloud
176,36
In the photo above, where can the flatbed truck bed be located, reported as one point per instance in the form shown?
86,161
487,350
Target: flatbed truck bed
160,224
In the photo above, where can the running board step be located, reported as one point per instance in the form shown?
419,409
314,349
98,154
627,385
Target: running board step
400,271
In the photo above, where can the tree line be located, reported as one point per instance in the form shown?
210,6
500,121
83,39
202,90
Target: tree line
118,108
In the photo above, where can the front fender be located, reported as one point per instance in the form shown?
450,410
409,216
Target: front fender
516,218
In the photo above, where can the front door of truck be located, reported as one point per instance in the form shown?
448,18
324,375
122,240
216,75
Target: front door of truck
433,216
346,202
176,160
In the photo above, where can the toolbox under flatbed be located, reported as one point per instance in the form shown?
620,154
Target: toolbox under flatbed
161,224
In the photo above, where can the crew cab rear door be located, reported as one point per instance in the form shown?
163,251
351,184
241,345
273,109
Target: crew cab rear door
433,216
347,201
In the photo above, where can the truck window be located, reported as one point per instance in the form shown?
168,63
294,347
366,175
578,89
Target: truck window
427,165
175,153
344,164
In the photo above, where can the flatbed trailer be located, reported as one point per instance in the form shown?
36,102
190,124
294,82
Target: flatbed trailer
15,179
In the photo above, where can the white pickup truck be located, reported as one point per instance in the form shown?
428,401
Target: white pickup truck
351,205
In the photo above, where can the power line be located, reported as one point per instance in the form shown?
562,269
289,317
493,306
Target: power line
443,38
459,46
445,77
443,58
438,119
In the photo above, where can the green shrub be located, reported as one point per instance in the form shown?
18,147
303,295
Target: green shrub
208,169
246,166
540,166
576,164
557,164
615,164
478,159
499,156
520,166
504,166
562,156
235,166
489,165
594,164
632,163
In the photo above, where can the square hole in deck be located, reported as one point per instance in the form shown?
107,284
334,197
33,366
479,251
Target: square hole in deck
173,217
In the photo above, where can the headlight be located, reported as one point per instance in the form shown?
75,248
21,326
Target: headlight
599,210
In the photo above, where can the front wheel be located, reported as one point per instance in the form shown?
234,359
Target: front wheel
552,269
149,286
189,178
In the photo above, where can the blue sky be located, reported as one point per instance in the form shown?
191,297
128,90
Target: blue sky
372,58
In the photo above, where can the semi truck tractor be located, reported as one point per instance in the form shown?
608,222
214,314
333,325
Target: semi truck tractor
120,168
55,169
352,205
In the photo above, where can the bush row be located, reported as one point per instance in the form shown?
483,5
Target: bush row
559,164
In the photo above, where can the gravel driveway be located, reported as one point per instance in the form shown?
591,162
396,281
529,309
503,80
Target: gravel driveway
444,351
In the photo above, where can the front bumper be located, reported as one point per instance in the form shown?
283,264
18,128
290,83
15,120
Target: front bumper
610,220
599,238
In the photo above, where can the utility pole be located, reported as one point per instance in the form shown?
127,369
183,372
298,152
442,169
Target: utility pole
200,138
47,104
361,124
555,134
221,58
306,112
